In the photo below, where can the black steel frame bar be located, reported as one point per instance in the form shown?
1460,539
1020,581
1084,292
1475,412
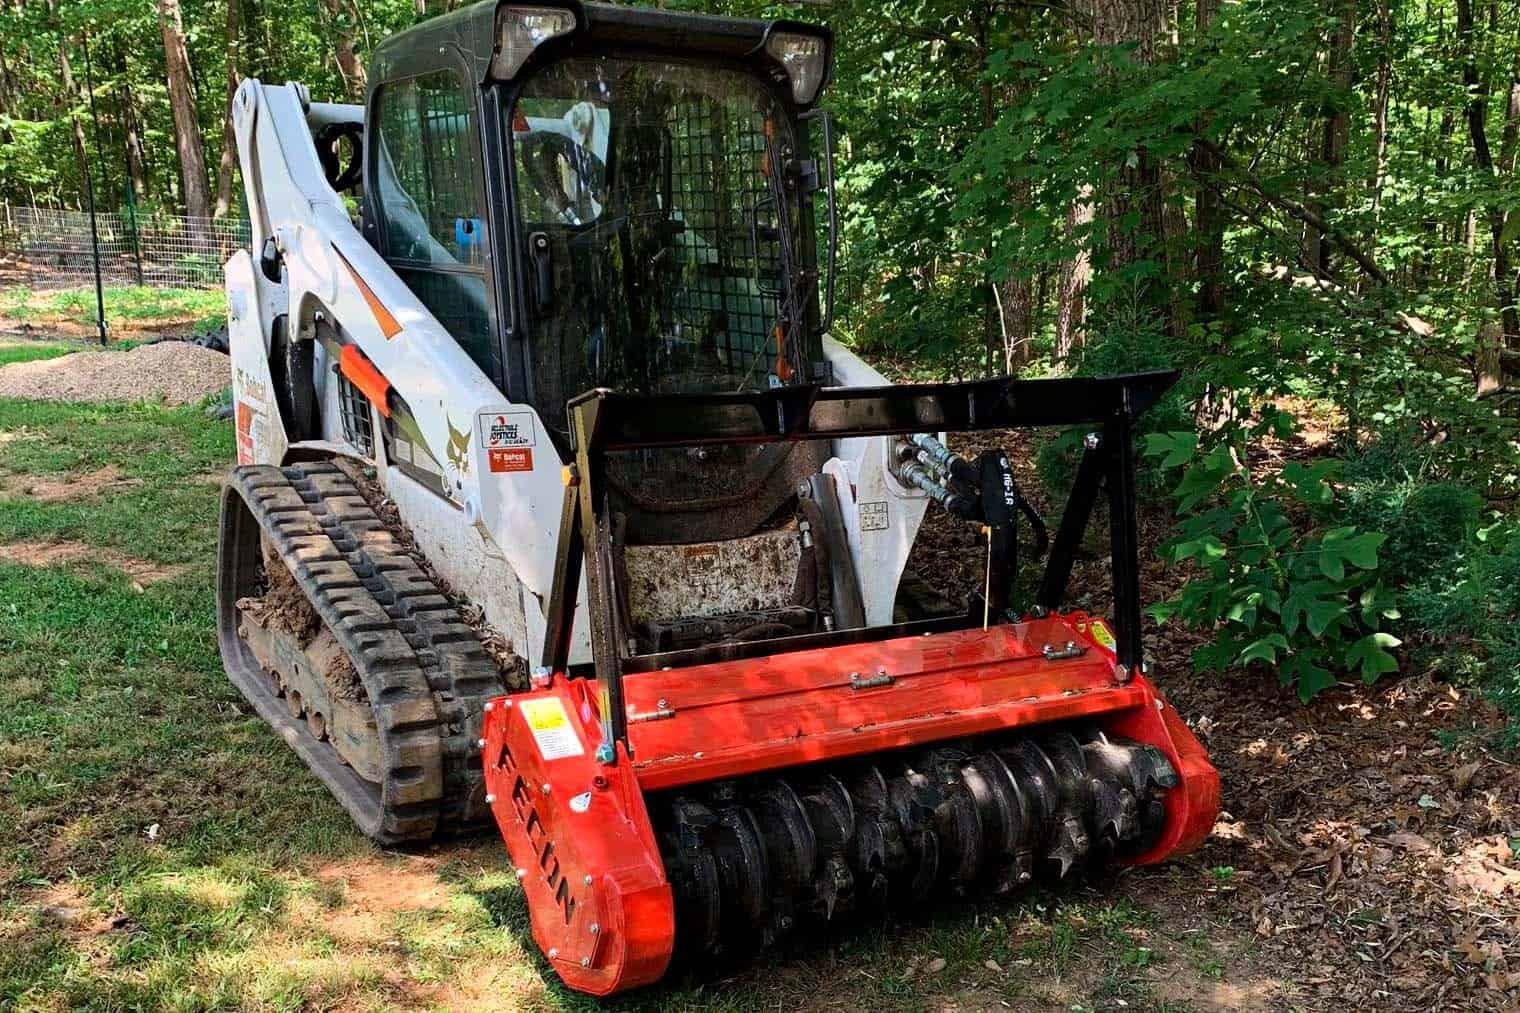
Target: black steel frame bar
618,421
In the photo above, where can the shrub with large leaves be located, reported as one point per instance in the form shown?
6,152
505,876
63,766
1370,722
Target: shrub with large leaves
1274,588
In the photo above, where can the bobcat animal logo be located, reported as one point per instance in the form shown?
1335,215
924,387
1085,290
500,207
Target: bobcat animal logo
459,447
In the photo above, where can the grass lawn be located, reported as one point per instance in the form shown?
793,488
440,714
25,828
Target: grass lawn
160,848
31,351
131,310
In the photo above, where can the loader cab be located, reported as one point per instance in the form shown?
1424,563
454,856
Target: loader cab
600,196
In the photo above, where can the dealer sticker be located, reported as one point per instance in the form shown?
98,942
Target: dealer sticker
508,439
551,728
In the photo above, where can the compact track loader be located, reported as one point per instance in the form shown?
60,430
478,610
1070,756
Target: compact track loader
557,507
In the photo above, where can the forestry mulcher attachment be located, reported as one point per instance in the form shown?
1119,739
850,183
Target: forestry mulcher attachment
557,505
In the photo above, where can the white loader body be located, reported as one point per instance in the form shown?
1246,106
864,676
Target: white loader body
491,534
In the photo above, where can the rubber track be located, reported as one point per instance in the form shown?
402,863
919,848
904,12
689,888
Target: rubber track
423,669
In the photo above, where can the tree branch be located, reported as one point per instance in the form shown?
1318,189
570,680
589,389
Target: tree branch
1294,209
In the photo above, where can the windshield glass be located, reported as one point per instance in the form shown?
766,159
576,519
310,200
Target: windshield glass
663,237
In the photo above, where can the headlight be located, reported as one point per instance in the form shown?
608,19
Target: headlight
805,58
520,30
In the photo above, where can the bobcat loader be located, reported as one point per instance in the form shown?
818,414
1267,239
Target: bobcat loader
556,507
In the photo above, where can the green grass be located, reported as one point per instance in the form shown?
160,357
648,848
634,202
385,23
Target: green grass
203,861
31,352
129,307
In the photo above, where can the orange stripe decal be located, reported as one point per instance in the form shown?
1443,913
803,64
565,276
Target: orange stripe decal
388,324
362,373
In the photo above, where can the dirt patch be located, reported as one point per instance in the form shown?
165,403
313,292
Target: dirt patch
173,372
66,553
63,907
52,326
374,892
69,487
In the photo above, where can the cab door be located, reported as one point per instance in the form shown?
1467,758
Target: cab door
428,207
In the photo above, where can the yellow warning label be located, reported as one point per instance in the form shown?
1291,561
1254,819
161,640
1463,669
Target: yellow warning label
1101,633
551,728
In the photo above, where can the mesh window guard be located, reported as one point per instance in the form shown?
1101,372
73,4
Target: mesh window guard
668,235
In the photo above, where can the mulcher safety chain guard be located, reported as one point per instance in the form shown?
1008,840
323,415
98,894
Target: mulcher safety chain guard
701,801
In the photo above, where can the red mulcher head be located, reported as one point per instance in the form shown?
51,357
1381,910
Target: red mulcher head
683,803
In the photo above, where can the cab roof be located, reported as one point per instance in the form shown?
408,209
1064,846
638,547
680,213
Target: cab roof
471,33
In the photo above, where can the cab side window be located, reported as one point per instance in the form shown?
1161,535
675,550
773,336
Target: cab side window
427,180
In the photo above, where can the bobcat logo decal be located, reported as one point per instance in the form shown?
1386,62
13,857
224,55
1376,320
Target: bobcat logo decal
459,447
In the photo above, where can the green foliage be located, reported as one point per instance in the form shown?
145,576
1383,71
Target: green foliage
1119,351
1273,589
1428,524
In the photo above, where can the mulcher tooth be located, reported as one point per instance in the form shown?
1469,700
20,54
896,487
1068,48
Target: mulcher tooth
956,819
1142,770
832,814
1005,820
791,849
1073,840
914,800
1034,772
879,851
742,871
1113,819
692,870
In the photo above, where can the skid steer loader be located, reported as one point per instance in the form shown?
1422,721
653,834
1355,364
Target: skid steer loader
556,507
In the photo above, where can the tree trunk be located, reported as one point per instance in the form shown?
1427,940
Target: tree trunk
137,161
1337,129
349,64
1509,152
1137,186
71,98
1509,142
5,87
1208,210
187,128
1476,114
1076,272
228,163
1381,91
1489,365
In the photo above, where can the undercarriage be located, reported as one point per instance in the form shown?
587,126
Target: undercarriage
340,640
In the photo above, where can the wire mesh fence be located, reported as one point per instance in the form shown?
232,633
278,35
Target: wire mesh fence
44,248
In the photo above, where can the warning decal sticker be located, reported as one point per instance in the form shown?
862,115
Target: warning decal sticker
551,728
1102,634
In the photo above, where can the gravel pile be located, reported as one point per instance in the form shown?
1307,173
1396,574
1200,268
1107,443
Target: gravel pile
174,372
